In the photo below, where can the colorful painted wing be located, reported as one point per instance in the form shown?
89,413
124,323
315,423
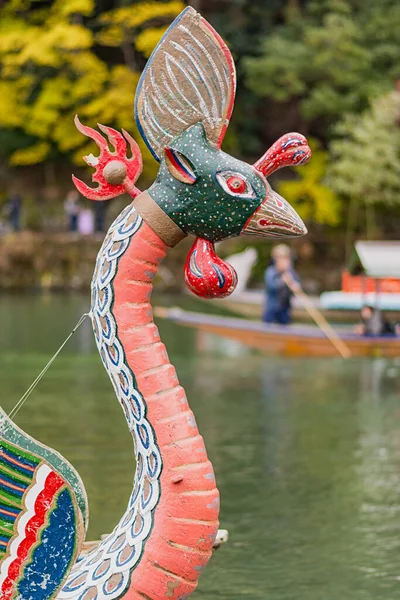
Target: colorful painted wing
190,77
43,516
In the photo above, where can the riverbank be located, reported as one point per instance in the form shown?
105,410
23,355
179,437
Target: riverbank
64,261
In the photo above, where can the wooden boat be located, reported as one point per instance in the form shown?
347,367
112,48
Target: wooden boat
372,277
293,340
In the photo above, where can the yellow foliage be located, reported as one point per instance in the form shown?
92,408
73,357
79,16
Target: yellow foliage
12,35
115,104
13,7
90,74
119,24
112,35
13,111
137,15
54,97
66,135
30,156
49,70
70,7
43,47
148,39
308,194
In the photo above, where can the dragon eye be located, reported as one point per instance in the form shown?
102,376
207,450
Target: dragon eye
235,184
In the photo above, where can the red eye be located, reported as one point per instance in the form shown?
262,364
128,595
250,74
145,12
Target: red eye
236,184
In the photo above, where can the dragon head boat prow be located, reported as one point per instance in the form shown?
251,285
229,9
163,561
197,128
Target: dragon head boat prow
183,105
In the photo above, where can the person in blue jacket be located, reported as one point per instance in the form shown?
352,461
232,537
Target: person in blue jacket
281,280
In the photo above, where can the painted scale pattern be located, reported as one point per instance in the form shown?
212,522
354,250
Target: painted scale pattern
105,572
40,525
183,521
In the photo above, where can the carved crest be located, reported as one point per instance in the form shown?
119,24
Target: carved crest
190,77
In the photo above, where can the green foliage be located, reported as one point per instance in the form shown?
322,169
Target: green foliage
332,56
308,193
52,66
365,163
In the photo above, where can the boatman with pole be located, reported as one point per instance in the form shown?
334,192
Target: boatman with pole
281,282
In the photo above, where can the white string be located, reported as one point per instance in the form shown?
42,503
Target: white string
28,392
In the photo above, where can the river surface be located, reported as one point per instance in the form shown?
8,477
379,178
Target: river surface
306,453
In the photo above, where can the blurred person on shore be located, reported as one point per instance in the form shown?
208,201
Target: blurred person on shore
280,281
13,211
72,209
86,221
100,210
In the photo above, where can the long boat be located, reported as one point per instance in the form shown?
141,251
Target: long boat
292,340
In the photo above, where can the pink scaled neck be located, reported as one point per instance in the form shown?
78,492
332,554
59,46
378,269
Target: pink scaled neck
186,516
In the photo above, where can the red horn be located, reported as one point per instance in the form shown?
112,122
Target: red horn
290,150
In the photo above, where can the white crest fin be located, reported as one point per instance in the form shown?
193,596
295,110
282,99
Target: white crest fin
190,77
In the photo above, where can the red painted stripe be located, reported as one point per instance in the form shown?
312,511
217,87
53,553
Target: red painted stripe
12,486
7,512
178,166
43,503
17,462
172,158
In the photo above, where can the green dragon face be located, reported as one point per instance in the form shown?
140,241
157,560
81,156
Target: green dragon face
214,196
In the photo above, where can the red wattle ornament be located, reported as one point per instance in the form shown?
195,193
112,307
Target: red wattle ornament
207,275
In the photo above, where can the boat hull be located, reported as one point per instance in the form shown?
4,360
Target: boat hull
293,340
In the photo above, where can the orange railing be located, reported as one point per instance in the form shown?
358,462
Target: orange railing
363,284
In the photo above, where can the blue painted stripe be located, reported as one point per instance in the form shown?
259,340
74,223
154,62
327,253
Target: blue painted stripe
7,513
11,490
220,276
7,480
291,142
4,540
51,560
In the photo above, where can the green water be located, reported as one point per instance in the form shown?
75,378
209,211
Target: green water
306,453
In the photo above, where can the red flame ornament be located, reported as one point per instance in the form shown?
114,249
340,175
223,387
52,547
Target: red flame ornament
115,173
207,275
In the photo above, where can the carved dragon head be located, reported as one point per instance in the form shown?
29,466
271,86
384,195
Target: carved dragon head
183,105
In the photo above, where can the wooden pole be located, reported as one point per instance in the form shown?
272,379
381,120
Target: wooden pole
320,320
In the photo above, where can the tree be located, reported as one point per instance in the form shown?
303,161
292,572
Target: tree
365,156
61,57
331,56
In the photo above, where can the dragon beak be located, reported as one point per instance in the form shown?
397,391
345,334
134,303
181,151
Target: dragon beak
275,218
